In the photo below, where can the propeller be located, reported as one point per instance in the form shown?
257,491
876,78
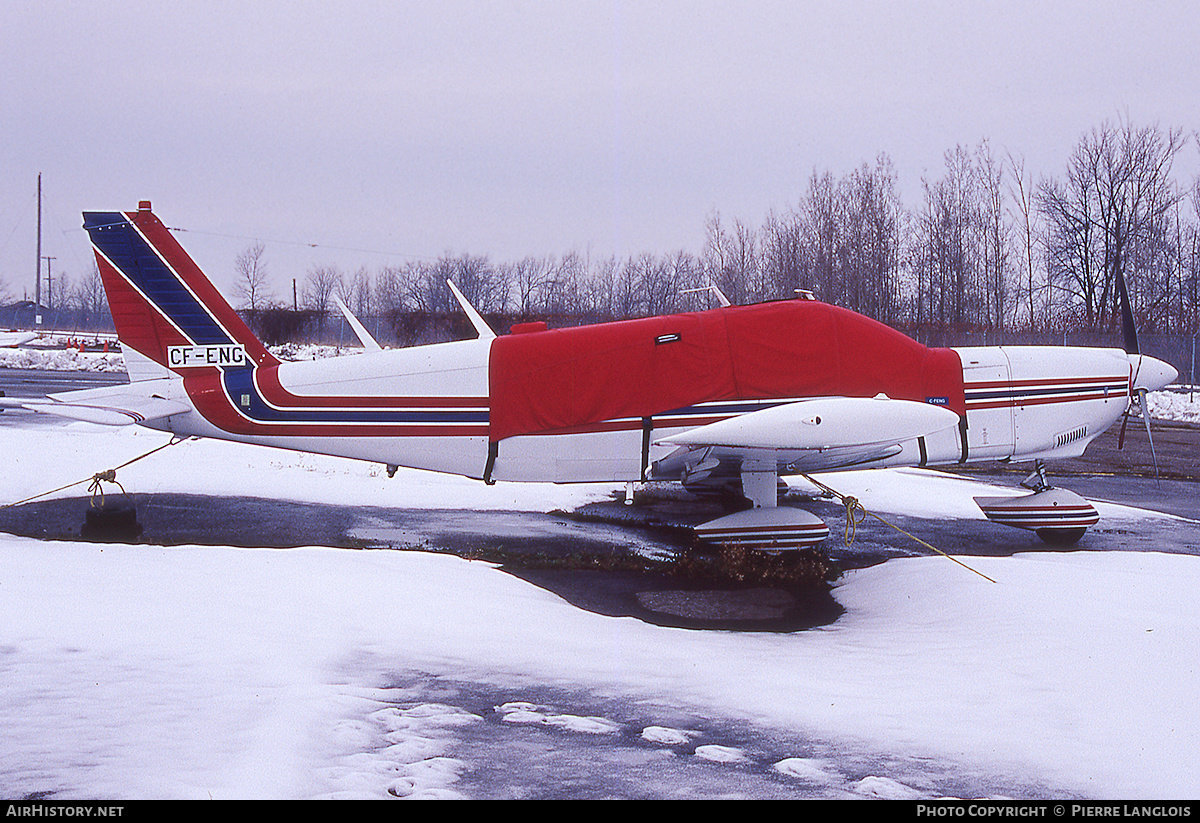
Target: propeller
1129,332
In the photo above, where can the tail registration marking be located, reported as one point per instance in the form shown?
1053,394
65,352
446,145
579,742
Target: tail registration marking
225,354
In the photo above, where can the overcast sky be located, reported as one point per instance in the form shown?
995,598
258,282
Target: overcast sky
402,129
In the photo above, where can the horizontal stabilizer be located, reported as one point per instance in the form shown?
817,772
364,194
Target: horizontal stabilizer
110,406
823,423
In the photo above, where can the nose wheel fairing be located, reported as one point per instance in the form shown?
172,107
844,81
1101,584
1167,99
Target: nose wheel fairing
1058,516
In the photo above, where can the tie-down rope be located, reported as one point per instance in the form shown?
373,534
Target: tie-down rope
856,513
107,476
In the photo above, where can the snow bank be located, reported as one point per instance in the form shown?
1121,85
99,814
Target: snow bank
37,459
1180,405
215,672
61,360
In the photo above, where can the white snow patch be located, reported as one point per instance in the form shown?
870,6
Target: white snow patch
721,754
666,736
140,671
61,360
396,752
1174,405
520,712
44,458
808,770
884,788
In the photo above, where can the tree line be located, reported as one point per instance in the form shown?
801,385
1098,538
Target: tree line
67,303
987,247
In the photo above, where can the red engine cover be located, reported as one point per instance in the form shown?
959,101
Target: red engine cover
569,378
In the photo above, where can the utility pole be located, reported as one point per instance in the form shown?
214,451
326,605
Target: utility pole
49,283
37,280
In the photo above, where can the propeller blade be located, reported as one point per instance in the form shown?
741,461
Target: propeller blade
1121,436
1146,416
1128,327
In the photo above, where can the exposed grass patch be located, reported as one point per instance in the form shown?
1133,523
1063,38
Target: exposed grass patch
728,567
731,565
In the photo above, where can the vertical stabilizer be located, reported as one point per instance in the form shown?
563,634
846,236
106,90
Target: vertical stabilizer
163,306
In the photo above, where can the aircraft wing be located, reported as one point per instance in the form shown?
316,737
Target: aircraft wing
815,434
112,405
15,338
823,423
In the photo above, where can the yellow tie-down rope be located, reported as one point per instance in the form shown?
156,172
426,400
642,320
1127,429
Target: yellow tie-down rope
856,513
107,476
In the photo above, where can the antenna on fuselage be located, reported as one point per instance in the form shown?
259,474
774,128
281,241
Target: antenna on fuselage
711,287
481,327
360,331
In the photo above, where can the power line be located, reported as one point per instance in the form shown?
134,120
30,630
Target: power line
305,244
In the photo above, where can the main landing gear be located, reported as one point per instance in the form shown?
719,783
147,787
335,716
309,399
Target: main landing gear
765,526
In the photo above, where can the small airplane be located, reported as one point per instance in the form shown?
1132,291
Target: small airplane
724,401
12,339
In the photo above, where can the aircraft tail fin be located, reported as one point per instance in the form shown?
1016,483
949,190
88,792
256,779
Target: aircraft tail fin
164,307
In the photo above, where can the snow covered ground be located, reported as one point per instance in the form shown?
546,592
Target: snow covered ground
195,672
143,671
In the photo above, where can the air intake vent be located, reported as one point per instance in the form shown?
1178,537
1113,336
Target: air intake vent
1071,436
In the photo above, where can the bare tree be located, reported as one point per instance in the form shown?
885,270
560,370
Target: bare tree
1137,196
252,282
92,293
357,293
783,253
732,261
568,290
320,285
819,225
943,250
528,282
1189,320
476,278
64,291
1109,220
994,239
1022,192
843,241
871,245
